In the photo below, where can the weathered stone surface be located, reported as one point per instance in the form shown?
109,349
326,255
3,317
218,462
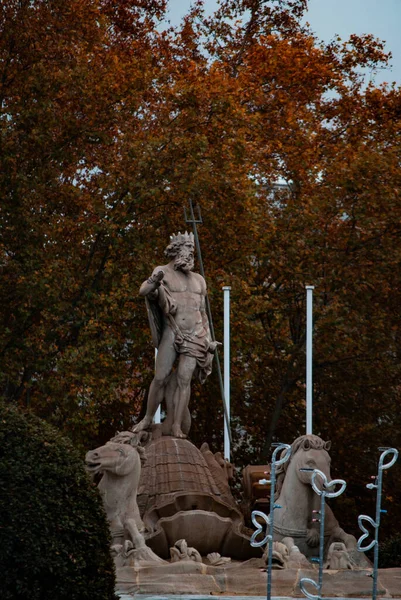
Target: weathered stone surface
173,467
182,578
251,582
390,580
247,579
351,584
189,584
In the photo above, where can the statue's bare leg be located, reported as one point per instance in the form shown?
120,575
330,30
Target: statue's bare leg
166,356
169,395
186,367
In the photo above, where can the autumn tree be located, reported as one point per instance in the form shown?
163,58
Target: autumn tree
110,122
315,125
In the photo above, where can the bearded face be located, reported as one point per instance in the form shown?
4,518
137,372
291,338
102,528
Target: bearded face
184,260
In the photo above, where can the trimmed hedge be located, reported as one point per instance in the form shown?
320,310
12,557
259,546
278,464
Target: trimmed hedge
54,537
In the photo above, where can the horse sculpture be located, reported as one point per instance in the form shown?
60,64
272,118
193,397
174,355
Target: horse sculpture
297,500
119,461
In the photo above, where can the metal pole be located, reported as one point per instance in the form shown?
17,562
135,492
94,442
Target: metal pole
193,221
284,451
226,290
157,415
321,490
378,486
309,328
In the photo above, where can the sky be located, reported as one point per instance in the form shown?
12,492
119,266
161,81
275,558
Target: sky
328,18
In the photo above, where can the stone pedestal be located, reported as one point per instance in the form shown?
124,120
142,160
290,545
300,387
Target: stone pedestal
248,579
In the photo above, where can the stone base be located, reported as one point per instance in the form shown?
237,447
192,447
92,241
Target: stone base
247,579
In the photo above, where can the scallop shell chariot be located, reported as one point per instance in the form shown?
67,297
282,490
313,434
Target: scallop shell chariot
184,494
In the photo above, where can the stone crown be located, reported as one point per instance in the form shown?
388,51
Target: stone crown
182,238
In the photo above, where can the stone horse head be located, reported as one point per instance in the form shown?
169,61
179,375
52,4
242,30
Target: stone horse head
307,451
295,495
298,501
119,461
118,456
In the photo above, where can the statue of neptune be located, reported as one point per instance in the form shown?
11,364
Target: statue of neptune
175,299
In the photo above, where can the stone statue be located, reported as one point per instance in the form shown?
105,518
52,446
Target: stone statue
119,461
298,500
175,299
280,555
338,557
296,560
181,551
216,560
285,555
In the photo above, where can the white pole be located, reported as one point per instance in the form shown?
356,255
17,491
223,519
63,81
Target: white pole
157,417
309,328
226,290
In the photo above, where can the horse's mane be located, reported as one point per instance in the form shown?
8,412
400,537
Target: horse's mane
304,442
133,439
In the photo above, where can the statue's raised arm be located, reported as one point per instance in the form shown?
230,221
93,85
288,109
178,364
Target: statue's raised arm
153,283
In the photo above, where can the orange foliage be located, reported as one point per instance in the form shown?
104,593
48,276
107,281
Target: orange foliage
109,123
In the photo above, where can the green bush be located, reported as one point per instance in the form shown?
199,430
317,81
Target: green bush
54,537
390,552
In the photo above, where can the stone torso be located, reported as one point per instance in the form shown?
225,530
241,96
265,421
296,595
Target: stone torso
188,292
